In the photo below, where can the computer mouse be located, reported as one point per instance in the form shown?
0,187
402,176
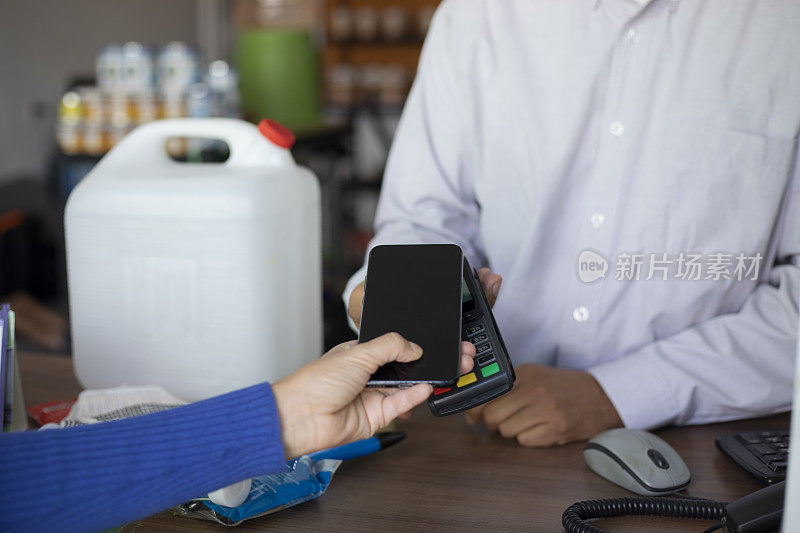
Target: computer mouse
638,461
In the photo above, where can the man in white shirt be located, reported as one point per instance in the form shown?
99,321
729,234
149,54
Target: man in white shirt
630,169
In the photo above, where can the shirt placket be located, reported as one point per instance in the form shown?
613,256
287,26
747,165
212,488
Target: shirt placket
599,214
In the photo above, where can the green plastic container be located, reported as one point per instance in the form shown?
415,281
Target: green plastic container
279,76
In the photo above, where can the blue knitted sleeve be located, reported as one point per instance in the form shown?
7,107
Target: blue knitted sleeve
91,478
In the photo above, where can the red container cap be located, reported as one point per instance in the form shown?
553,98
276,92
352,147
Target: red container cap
276,132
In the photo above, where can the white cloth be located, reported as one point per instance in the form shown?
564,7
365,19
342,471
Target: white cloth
536,130
107,405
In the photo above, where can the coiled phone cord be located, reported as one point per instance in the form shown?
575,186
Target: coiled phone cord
575,517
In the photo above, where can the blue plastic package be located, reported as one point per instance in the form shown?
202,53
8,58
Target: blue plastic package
304,480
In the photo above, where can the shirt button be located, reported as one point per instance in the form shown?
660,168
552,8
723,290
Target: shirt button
632,36
616,129
597,220
580,314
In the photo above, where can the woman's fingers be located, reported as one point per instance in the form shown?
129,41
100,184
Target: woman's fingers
385,349
341,347
403,400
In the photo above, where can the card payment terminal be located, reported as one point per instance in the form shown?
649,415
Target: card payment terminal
493,374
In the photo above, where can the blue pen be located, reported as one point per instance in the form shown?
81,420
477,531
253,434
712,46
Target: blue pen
361,447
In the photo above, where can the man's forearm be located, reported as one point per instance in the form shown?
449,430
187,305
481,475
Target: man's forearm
732,366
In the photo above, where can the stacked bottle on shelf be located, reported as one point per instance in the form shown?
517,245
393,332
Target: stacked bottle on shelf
387,84
347,84
367,24
136,85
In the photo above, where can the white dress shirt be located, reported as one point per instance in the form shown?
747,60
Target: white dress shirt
539,132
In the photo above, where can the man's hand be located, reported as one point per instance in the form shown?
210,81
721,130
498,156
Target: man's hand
325,403
549,406
356,304
491,286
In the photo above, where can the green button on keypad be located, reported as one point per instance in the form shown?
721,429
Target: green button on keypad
494,368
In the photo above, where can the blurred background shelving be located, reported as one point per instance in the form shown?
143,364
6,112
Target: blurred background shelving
337,72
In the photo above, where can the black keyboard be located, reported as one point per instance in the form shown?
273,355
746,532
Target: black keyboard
763,454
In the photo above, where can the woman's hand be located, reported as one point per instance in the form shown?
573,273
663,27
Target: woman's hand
325,404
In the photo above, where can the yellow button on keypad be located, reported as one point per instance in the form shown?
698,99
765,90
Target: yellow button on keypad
466,379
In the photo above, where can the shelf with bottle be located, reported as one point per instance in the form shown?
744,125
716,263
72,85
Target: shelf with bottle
135,86
372,50
370,23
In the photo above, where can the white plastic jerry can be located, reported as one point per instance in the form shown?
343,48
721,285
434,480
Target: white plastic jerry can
200,278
